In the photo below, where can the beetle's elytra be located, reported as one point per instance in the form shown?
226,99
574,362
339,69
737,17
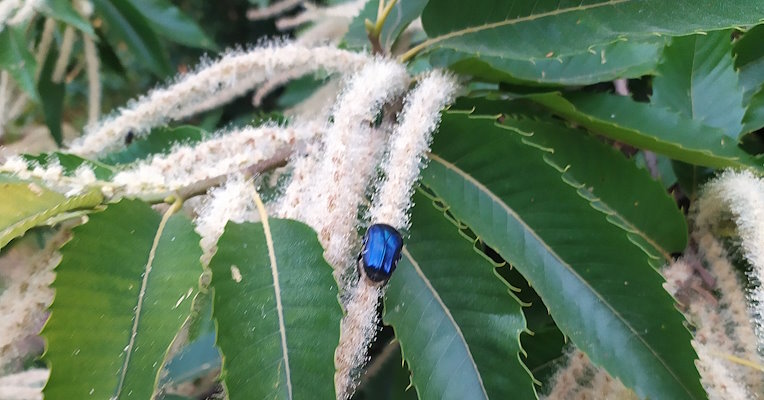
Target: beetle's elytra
380,253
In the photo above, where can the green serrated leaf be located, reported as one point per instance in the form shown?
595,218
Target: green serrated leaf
170,22
457,322
650,128
17,60
69,164
127,25
598,286
64,12
402,14
628,195
159,141
28,204
623,59
120,300
697,79
276,313
550,28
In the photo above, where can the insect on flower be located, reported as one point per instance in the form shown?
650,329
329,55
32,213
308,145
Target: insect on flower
380,253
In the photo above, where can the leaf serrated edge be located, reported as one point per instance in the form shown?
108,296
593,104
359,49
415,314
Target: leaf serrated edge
735,161
91,198
559,259
447,311
429,42
460,226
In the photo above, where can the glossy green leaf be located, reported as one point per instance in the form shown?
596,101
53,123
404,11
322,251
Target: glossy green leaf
53,100
698,80
27,204
127,25
650,128
120,300
17,60
159,141
628,195
598,285
170,22
64,11
277,315
533,30
457,322
623,59
402,14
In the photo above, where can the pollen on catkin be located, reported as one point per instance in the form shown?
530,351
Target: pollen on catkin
230,202
25,299
738,196
213,84
272,10
328,199
359,327
408,145
350,149
226,153
712,336
313,13
580,379
25,385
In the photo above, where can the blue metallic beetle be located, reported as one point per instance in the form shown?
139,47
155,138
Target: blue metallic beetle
380,253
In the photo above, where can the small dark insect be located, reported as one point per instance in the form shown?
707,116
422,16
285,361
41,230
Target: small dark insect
129,137
380,253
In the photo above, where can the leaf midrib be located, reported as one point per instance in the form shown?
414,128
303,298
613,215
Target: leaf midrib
451,319
276,291
142,295
533,233
491,25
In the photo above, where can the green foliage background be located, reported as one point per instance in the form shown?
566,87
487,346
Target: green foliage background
536,214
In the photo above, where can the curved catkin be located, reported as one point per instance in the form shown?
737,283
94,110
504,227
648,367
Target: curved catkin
351,147
408,145
327,191
27,295
580,379
713,337
272,10
226,153
25,385
739,195
212,85
359,327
